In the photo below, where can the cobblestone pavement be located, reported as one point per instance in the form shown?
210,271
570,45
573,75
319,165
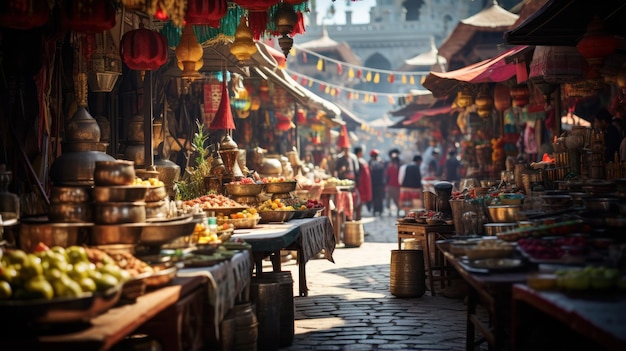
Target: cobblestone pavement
350,307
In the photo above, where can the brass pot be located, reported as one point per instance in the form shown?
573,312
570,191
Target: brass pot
70,212
120,212
122,193
76,168
52,234
117,172
70,194
135,153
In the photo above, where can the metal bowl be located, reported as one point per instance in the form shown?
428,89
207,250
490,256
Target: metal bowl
127,234
497,228
156,193
70,194
159,233
120,212
119,193
280,187
557,201
52,234
118,172
504,214
244,189
70,212
276,216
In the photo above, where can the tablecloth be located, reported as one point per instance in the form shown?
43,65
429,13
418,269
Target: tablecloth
227,282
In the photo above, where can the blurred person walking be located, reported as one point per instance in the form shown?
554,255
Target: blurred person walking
377,174
452,168
363,184
410,179
391,176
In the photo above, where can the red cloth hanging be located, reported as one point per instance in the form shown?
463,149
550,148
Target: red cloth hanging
343,141
224,116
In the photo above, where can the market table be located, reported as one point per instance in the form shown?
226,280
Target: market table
600,317
491,290
308,236
185,314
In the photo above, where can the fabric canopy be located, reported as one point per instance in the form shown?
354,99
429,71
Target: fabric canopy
433,111
564,22
496,69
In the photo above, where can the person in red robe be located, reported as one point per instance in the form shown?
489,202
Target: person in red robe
363,184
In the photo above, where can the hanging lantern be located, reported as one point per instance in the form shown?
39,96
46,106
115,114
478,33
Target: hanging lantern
144,49
189,53
520,95
243,47
24,14
557,64
207,12
465,97
224,116
212,97
88,16
501,97
105,65
484,102
257,14
597,43
285,19
242,102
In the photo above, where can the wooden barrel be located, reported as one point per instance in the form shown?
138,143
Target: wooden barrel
266,296
238,330
407,276
286,307
353,235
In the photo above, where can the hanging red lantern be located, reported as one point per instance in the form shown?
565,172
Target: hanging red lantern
520,95
224,116
24,14
143,49
88,16
257,14
597,44
208,12
501,97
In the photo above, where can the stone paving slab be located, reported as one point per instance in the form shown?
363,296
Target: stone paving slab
350,306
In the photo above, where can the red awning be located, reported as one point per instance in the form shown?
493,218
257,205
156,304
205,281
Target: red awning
496,69
433,111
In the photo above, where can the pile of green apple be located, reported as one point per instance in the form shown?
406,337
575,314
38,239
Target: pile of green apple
55,272
589,278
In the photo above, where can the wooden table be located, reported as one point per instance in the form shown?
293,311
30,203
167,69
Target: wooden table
599,317
493,291
427,235
183,315
308,236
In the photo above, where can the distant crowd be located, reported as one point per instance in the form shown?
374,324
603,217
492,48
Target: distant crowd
381,183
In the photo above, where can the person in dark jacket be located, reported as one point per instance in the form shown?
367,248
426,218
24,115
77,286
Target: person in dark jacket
410,179
377,175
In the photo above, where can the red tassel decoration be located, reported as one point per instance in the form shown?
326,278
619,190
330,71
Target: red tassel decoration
224,116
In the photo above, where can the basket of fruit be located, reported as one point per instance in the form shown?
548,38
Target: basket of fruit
245,219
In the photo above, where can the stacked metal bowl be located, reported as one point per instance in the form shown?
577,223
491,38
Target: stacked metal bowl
120,208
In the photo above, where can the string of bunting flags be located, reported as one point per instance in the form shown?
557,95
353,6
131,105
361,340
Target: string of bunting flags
360,72
336,91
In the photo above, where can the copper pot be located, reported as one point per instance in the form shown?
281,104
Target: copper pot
120,212
76,168
70,194
70,212
117,172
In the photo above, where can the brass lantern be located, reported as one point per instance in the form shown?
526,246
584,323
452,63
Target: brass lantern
465,97
243,47
285,19
189,54
484,102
